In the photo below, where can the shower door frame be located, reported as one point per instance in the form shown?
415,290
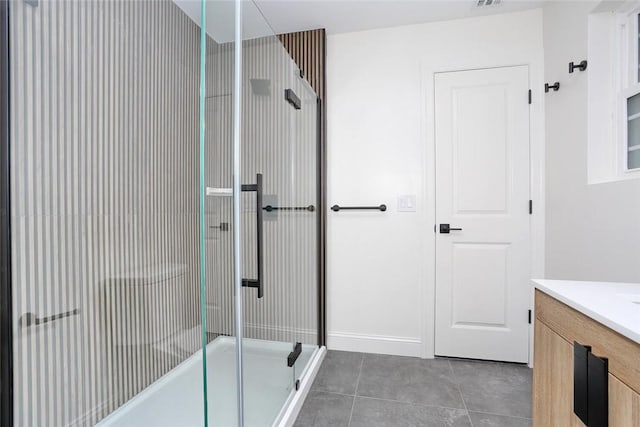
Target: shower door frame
321,173
6,326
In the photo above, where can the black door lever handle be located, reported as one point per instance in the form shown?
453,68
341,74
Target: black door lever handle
445,229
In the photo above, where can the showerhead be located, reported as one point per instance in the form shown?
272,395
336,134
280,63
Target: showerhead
261,87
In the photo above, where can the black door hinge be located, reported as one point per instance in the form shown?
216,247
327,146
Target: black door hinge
529,316
529,96
530,207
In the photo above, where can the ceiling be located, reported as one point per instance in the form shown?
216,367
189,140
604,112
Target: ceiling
343,16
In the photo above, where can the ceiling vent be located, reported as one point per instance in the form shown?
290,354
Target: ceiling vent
487,3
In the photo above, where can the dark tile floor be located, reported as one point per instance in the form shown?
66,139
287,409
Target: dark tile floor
355,389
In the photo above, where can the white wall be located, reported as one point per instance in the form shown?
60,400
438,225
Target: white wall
592,231
380,273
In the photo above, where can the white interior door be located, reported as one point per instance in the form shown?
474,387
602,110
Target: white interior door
482,189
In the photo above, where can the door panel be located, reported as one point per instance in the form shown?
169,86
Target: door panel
482,189
479,268
481,177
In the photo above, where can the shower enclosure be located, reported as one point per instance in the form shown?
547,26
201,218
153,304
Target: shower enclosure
163,202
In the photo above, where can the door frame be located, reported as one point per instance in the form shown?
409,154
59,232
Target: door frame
6,315
536,182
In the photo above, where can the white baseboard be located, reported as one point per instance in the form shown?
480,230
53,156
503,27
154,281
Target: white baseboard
259,331
378,344
279,333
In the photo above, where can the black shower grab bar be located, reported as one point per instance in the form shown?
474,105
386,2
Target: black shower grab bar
259,282
270,208
30,319
337,208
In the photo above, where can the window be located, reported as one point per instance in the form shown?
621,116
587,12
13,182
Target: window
614,92
630,91
633,132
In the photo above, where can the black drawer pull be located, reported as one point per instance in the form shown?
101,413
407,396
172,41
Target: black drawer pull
590,387
580,382
598,389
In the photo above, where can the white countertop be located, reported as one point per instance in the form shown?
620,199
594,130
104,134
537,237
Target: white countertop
615,305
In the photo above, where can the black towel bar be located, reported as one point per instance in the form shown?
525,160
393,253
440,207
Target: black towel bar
31,319
337,208
270,208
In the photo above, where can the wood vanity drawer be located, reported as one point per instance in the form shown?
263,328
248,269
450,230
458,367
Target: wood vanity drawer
623,354
624,404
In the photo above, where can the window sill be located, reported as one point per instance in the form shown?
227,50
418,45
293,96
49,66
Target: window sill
616,178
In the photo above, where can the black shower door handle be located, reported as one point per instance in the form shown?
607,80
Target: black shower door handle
257,283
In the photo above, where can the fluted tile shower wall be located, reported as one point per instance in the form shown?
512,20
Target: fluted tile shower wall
105,203
104,152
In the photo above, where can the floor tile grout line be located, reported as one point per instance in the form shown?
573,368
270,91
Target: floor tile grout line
424,406
500,415
458,385
456,378
451,360
355,392
404,402
334,392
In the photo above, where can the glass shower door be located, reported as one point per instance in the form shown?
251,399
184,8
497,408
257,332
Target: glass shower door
279,227
278,221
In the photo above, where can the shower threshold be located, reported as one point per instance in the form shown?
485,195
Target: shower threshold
270,397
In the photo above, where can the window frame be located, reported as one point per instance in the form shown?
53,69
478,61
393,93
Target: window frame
624,131
628,81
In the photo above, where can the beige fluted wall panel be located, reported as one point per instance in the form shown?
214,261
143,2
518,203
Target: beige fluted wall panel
104,154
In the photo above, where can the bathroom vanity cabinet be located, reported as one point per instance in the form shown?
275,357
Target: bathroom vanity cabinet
558,329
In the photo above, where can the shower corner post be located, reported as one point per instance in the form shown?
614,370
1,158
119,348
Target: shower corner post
322,192
321,224
237,194
202,188
322,301
6,316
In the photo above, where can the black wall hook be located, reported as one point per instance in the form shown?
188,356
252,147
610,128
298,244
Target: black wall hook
581,66
555,87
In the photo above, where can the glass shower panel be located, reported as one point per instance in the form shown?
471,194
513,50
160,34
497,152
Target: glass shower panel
278,220
104,184
220,353
279,144
302,294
